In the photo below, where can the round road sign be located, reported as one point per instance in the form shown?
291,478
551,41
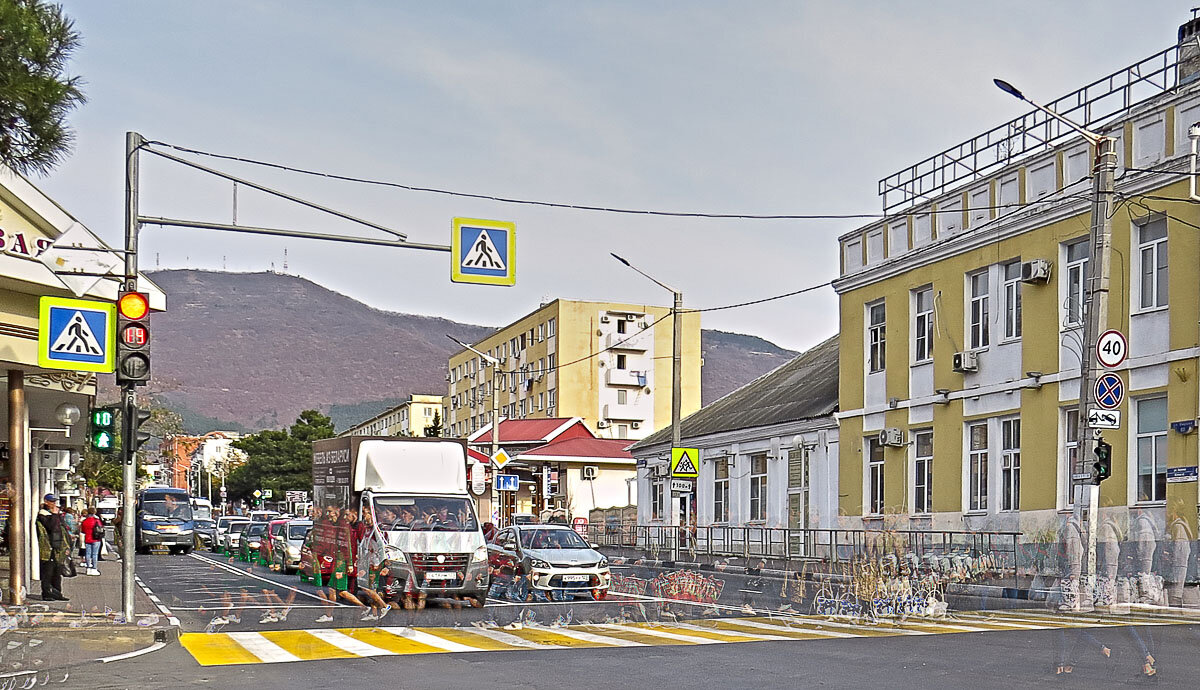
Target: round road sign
1111,348
1110,390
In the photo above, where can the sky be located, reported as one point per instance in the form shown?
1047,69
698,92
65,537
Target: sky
735,107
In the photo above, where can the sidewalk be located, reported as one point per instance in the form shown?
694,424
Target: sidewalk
52,635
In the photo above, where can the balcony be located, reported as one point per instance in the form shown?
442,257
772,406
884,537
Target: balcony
625,377
636,340
624,413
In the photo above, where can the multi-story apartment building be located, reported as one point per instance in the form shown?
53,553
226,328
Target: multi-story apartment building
409,418
608,364
961,317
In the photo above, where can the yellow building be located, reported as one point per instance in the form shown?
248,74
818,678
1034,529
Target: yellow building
409,418
608,364
961,322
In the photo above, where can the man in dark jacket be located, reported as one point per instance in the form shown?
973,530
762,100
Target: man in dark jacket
53,549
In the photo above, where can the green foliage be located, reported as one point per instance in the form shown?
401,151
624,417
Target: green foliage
36,40
278,460
435,428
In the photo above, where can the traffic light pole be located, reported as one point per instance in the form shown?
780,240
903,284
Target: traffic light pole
133,142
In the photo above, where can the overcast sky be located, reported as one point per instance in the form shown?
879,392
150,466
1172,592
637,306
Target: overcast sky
733,107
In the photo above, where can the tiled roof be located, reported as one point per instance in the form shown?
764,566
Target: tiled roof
582,448
524,430
804,388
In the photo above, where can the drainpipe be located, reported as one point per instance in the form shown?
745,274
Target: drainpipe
1194,135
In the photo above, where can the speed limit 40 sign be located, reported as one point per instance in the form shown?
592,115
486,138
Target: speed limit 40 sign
1112,348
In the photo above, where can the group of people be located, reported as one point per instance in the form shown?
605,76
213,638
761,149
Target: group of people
61,534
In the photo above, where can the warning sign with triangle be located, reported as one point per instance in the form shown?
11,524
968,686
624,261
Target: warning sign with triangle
483,254
76,334
77,338
683,462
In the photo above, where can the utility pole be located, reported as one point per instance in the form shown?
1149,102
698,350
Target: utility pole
676,366
497,384
133,142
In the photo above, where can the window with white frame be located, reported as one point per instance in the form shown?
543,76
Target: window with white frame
550,328
758,487
1010,464
550,363
874,451
541,332
1152,264
979,335
923,325
657,499
977,466
1076,275
721,490
1012,300
621,361
1152,449
876,337
923,472
1070,455
622,396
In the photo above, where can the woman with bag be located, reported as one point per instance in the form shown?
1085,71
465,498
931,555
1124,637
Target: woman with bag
93,537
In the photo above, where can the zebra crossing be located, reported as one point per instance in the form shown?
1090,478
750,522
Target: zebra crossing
276,646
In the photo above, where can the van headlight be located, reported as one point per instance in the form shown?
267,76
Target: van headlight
481,554
393,553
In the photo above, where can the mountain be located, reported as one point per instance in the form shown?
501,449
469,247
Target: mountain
251,350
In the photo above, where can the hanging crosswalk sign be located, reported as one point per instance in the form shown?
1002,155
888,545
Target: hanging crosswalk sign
483,252
684,462
76,334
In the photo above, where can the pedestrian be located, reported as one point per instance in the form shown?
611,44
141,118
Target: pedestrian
52,548
93,537
71,524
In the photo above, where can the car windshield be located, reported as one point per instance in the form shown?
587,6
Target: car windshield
297,532
202,512
551,539
256,529
167,507
237,527
425,513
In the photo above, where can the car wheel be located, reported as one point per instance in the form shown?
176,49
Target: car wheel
185,550
599,594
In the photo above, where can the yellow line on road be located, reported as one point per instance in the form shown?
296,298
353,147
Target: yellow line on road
306,646
215,649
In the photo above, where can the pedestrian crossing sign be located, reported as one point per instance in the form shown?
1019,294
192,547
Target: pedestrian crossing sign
77,334
483,252
684,462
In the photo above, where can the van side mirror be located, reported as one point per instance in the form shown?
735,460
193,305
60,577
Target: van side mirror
593,545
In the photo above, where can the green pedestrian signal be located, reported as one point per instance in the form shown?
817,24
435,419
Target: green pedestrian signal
1102,468
102,435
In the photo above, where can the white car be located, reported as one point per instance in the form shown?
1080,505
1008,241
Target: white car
229,532
554,557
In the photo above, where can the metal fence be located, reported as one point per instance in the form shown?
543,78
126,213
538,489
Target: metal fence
833,545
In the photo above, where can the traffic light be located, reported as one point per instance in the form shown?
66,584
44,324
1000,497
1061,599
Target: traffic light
1102,468
133,338
134,438
103,436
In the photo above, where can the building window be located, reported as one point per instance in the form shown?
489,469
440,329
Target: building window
541,332
923,325
622,396
1010,463
874,476
621,324
923,472
1076,276
621,361
550,359
1012,300
1152,449
758,487
550,325
978,466
1152,250
721,490
551,397
622,431
979,336
876,337
541,400
657,499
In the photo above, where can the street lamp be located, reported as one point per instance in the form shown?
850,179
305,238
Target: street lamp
676,349
1095,300
496,373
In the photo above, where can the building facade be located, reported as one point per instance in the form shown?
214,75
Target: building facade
608,364
409,418
961,319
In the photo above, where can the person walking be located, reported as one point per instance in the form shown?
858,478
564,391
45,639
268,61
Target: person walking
52,548
71,525
93,538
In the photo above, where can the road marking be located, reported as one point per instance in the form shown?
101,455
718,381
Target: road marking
505,638
246,573
433,640
678,637
709,632
593,638
748,622
349,644
262,648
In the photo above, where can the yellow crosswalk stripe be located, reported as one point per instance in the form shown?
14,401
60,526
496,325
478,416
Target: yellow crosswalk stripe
735,625
303,645
388,641
216,649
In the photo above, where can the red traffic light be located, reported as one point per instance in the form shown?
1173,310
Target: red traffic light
133,305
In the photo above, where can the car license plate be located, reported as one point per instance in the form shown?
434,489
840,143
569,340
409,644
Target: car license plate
576,578
441,576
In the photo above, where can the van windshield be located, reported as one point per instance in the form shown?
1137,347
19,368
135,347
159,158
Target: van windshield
430,513
166,507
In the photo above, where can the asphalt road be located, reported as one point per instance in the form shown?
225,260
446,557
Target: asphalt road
1003,660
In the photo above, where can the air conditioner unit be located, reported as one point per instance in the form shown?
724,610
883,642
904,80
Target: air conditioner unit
636,425
590,471
966,361
55,459
1035,271
629,317
604,319
662,470
646,390
891,436
447,378
602,424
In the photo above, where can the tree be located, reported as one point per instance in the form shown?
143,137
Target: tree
278,460
36,40
435,428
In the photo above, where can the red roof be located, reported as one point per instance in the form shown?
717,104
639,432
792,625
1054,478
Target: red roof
534,430
583,449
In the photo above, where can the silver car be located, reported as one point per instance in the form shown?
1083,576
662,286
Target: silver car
285,546
553,557
231,537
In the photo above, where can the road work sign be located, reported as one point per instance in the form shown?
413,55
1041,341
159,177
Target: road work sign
76,334
483,252
685,462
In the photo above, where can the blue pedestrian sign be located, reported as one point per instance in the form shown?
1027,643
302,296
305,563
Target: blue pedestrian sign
1110,391
483,252
75,334
508,482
